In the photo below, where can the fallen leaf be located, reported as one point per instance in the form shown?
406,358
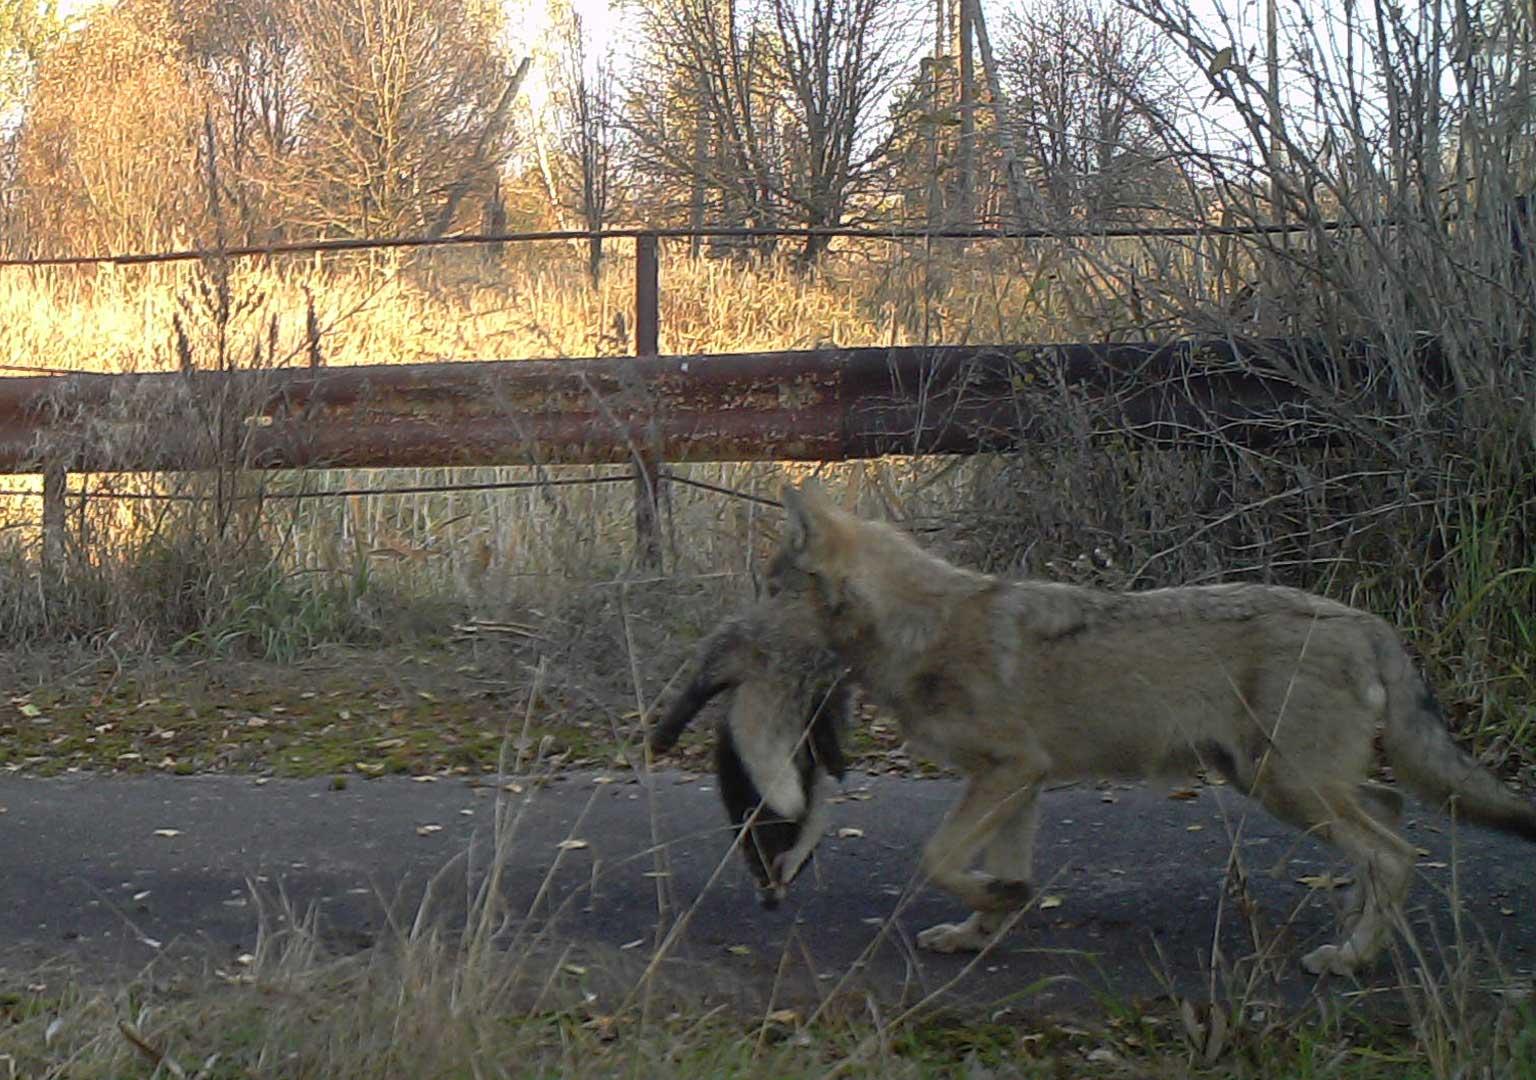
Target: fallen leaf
29,710
574,969
639,941
1183,793
167,832
571,845
428,830
739,950
1325,881
1048,902
1193,828
849,833
788,1017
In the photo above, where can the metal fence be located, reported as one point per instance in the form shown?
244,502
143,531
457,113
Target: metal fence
645,409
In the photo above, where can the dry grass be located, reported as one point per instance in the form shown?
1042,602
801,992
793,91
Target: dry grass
536,300
423,1006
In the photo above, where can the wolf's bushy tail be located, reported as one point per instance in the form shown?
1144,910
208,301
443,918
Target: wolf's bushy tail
1425,757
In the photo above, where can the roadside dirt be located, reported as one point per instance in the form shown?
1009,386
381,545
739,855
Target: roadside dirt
441,708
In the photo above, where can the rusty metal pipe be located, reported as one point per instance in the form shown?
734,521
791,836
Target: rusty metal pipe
823,405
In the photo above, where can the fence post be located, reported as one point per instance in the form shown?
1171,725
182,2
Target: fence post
647,468
55,482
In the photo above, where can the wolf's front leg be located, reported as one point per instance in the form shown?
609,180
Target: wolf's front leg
1003,886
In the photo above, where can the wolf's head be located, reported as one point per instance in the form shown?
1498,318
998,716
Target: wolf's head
813,561
868,582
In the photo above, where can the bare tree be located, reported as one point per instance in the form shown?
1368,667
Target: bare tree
405,111
28,28
1093,106
107,150
249,55
707,78
587,129
790,94
839,60
350,117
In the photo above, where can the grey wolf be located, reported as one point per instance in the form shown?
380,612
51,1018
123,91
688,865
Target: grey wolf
778,751
1018,683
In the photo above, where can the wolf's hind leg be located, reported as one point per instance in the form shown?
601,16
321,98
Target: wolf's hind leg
1384,874
1385,804
1004,880
1358,820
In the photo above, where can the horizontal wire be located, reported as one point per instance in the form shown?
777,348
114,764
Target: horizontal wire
312,247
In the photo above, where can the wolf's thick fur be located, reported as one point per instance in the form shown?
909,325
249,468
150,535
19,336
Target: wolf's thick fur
779,749
1020,683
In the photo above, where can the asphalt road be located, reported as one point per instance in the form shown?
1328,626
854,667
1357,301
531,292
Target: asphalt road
110,874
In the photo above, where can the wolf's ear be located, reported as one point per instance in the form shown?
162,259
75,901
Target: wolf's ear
800,529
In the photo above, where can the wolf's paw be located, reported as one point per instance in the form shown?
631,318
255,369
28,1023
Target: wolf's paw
968,936
1331,960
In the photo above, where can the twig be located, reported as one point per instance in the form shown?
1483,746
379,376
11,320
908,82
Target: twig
158,1057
